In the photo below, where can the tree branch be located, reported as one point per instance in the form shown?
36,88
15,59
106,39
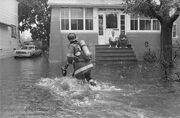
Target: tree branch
174,17
153,11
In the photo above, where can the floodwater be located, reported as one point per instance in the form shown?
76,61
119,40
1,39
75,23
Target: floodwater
35,88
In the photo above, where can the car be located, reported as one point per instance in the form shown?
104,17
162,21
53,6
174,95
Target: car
27,51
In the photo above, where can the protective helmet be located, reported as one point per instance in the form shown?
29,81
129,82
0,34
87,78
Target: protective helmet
71,36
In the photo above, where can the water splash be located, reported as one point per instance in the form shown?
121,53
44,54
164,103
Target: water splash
74,91
101,86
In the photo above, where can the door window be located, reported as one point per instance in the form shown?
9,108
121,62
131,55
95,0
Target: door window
122,22
111,21
100,24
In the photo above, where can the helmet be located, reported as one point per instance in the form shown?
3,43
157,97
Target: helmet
71,36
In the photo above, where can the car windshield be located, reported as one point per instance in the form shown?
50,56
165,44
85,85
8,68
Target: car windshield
24,47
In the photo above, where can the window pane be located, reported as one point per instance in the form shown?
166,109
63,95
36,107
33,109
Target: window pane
76,24
111,21
89,24
156,25
100,24
76,13
13,31
76,19
134,24
145,24
64,18
89,18
174,31
134,17
73,24
64,13
64,24
122,23
122,28
80,24
89,13
148,24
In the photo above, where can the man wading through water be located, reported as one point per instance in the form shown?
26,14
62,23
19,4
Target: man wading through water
80,57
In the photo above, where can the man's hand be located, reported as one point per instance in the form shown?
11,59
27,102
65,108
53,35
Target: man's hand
64,71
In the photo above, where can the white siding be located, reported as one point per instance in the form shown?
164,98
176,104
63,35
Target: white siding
9,11
8,16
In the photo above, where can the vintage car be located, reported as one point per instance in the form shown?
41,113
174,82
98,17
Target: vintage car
27,51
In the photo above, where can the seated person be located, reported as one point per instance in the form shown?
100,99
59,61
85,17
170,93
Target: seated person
122,41
113,39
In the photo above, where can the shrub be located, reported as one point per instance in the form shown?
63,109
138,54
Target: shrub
150,56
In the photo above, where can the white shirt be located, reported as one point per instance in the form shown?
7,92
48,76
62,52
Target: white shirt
113,38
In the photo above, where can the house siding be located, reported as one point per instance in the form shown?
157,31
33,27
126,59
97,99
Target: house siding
58,39
137,40
177,38
56,49
8,16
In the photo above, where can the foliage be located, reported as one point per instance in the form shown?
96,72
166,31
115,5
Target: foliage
150,56
35,15
159,9
166,11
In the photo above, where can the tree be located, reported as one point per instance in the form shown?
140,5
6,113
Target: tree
166,11
35,15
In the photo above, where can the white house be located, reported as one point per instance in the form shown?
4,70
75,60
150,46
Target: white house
9,36
93,21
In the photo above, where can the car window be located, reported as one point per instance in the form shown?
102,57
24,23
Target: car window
24,47
31,47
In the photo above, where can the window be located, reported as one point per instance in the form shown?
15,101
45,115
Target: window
174,33
111,21
134,22
76,18
122,23
65,18
156,25
89,18
100,24
13,31
144,24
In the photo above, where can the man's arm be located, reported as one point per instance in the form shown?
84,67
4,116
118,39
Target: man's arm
70,55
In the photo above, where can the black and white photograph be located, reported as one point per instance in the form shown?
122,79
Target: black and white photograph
89,58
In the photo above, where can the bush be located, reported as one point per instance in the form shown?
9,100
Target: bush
150,56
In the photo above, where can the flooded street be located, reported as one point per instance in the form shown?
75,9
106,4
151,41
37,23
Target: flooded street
35,88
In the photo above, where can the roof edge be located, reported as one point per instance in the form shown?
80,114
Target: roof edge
86,5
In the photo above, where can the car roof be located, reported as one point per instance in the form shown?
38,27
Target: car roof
30,45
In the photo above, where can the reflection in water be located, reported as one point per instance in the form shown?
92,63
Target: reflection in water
35,88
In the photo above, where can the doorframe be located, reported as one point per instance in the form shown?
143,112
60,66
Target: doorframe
103,37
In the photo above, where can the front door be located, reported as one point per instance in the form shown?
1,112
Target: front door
111,24
108,22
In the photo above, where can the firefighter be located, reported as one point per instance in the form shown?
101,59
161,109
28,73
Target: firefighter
80,57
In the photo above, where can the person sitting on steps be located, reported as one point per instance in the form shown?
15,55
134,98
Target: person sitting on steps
113,40
122,41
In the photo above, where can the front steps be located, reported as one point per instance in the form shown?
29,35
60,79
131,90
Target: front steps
105,55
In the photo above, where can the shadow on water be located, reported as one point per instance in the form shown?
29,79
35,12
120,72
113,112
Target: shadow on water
35,88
